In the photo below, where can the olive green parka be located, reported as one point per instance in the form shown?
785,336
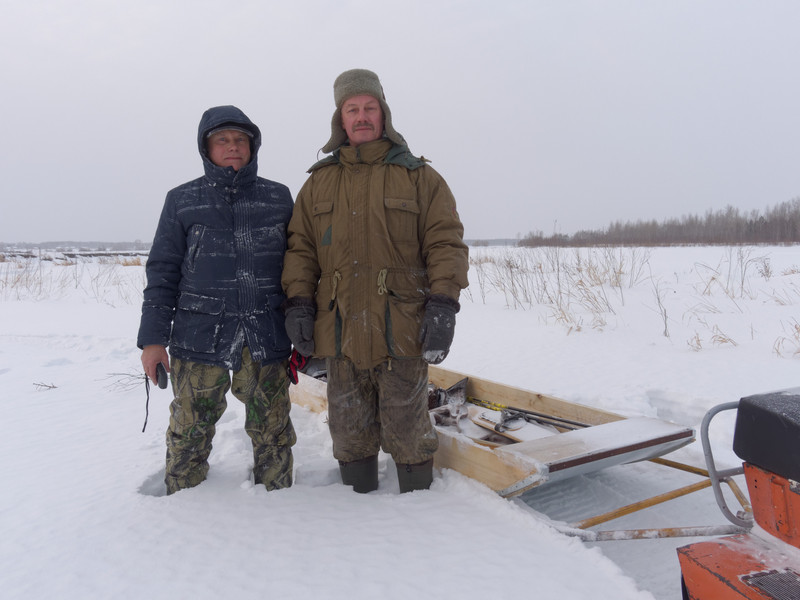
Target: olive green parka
374,232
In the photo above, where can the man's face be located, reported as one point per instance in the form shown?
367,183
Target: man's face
362,119
229,148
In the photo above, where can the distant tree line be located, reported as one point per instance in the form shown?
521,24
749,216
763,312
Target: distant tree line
729,226
137,245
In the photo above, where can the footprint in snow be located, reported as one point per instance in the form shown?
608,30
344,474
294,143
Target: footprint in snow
154,485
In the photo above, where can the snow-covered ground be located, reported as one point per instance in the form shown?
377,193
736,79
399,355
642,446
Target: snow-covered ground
667,332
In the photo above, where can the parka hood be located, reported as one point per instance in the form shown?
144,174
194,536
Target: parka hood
213,118
397,154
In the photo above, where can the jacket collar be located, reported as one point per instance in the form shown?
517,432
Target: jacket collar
227,176
381,150
369,153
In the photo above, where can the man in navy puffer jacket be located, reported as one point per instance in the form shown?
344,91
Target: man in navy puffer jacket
213,297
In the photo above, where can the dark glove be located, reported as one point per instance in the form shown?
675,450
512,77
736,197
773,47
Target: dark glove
438,327
300,323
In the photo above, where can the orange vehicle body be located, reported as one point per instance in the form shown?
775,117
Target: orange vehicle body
764,563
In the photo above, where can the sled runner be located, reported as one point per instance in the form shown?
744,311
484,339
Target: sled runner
513,440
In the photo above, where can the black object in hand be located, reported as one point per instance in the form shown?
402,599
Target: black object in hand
161,376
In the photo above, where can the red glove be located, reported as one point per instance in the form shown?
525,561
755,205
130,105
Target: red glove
297,362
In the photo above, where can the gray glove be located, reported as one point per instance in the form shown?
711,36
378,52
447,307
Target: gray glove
438,327
300,314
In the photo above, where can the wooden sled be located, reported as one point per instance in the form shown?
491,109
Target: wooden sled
581,439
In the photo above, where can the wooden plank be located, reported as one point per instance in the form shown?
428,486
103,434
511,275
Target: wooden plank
528,400
518,430
514,468
479,462
310,393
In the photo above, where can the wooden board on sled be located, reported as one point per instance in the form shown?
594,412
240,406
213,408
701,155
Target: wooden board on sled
513,439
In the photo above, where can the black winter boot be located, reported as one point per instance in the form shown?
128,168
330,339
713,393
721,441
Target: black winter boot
418,476
362,474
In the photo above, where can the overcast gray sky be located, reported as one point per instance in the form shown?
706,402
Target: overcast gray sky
551,115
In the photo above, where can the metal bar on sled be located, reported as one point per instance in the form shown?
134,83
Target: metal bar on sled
665,532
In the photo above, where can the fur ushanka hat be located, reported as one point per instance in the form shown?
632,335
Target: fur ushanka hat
356,82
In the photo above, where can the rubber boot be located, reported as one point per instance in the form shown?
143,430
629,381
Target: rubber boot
362,474
418,476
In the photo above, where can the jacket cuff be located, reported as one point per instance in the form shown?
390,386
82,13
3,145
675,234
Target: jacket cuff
445,300
297,301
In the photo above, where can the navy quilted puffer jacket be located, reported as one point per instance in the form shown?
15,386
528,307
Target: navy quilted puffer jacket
214,270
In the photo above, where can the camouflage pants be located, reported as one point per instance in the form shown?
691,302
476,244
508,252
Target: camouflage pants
383,407
200,402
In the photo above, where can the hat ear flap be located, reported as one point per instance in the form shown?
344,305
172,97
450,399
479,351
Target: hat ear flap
388,129
338,134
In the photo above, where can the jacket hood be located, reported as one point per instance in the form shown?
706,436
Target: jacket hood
214,117
397,154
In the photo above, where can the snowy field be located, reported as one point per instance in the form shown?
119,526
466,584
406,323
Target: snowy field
667,332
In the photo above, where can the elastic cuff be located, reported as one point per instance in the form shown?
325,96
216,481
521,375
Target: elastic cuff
442,299
296,301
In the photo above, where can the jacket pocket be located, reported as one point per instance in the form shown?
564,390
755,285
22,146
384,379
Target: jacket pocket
403,322
406,291
402,215
197,323
328,322
193,240
323,222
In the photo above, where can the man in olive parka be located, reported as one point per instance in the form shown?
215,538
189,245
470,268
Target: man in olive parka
213,297
373,273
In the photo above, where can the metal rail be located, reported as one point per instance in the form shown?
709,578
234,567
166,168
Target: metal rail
713,477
